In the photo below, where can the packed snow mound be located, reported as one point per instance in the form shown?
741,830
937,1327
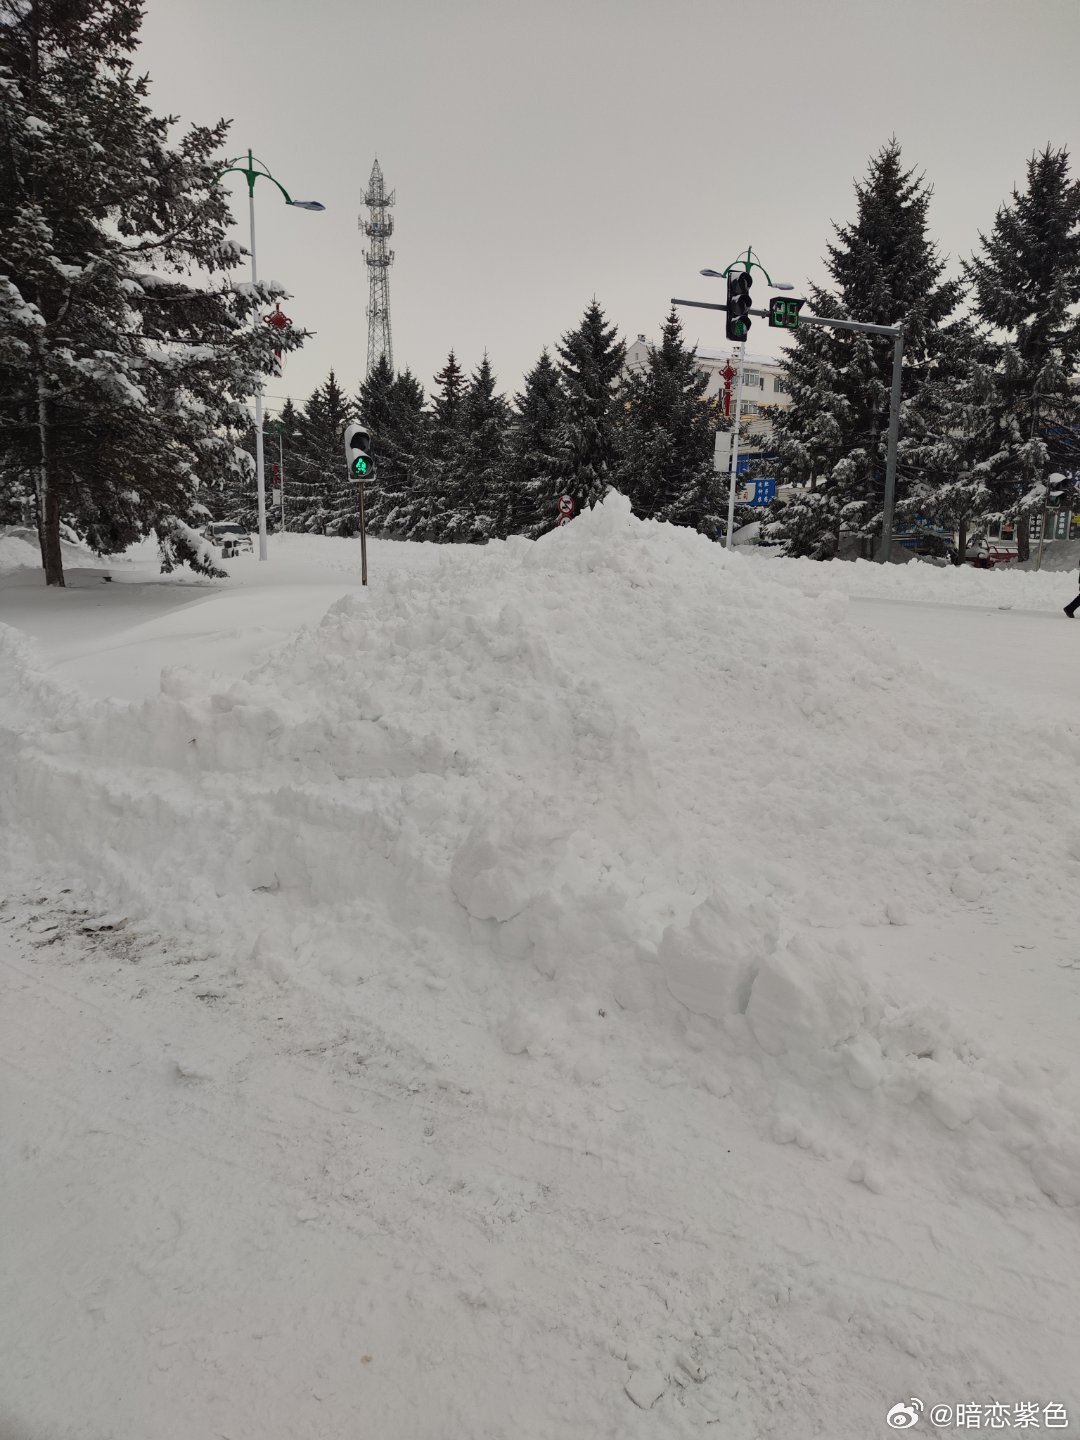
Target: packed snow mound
614,796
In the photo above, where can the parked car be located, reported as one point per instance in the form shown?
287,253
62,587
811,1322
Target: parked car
986,554
225,533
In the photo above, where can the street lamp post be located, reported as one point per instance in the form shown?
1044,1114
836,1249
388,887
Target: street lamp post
251,174
749,261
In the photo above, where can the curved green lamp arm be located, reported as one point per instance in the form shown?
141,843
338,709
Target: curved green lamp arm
251,174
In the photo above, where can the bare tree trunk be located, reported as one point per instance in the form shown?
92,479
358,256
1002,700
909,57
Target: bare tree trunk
961,541
1023,537
48,498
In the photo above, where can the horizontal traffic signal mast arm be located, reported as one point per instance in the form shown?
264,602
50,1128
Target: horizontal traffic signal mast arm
897,334
804,319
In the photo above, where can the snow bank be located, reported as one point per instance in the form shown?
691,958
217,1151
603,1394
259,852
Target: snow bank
16,550
19,550
1020,588
612,797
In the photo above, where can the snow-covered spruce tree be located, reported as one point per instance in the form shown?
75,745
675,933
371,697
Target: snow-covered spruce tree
945,437
402,488
437,483
808,436
124,378
532,472
666,437
393,406
285,427
591,359
237,497
323,499
374,407
884,268
1026,286
478,506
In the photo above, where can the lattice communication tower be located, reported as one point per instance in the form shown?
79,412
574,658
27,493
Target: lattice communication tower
379,258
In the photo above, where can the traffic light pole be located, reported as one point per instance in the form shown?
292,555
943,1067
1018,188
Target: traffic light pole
734,462
896,333
260,467
890,453
363,538
360,466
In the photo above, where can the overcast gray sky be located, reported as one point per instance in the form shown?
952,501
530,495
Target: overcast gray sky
548,151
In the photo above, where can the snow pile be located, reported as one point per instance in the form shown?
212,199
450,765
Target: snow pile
1020,588
17,550
615,798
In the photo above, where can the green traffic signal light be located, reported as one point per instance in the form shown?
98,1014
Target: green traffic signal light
361,465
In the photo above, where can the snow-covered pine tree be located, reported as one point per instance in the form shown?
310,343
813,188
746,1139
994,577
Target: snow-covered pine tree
402,487
286,425
591,359
885,268
323,498
479,504
666,437
945,435
374,407
532,473
1026,286
809,436
237,497
446,401
393,407
437,485
124,378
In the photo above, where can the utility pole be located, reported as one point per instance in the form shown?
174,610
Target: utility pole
733,467
891,445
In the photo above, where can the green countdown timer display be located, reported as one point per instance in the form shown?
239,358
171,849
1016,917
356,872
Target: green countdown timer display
784,314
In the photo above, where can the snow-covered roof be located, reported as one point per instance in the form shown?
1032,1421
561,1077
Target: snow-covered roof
759,362
706,352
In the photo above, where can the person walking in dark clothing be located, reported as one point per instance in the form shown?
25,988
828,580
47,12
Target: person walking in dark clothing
1072,607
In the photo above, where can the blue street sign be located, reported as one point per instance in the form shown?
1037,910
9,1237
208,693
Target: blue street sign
745,460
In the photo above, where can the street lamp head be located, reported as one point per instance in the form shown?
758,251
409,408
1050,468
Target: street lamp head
781,285
307,204
714,274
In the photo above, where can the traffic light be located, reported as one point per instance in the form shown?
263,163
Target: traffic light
784,314
358,455
738,303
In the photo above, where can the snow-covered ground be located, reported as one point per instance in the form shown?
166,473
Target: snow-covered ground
596,988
